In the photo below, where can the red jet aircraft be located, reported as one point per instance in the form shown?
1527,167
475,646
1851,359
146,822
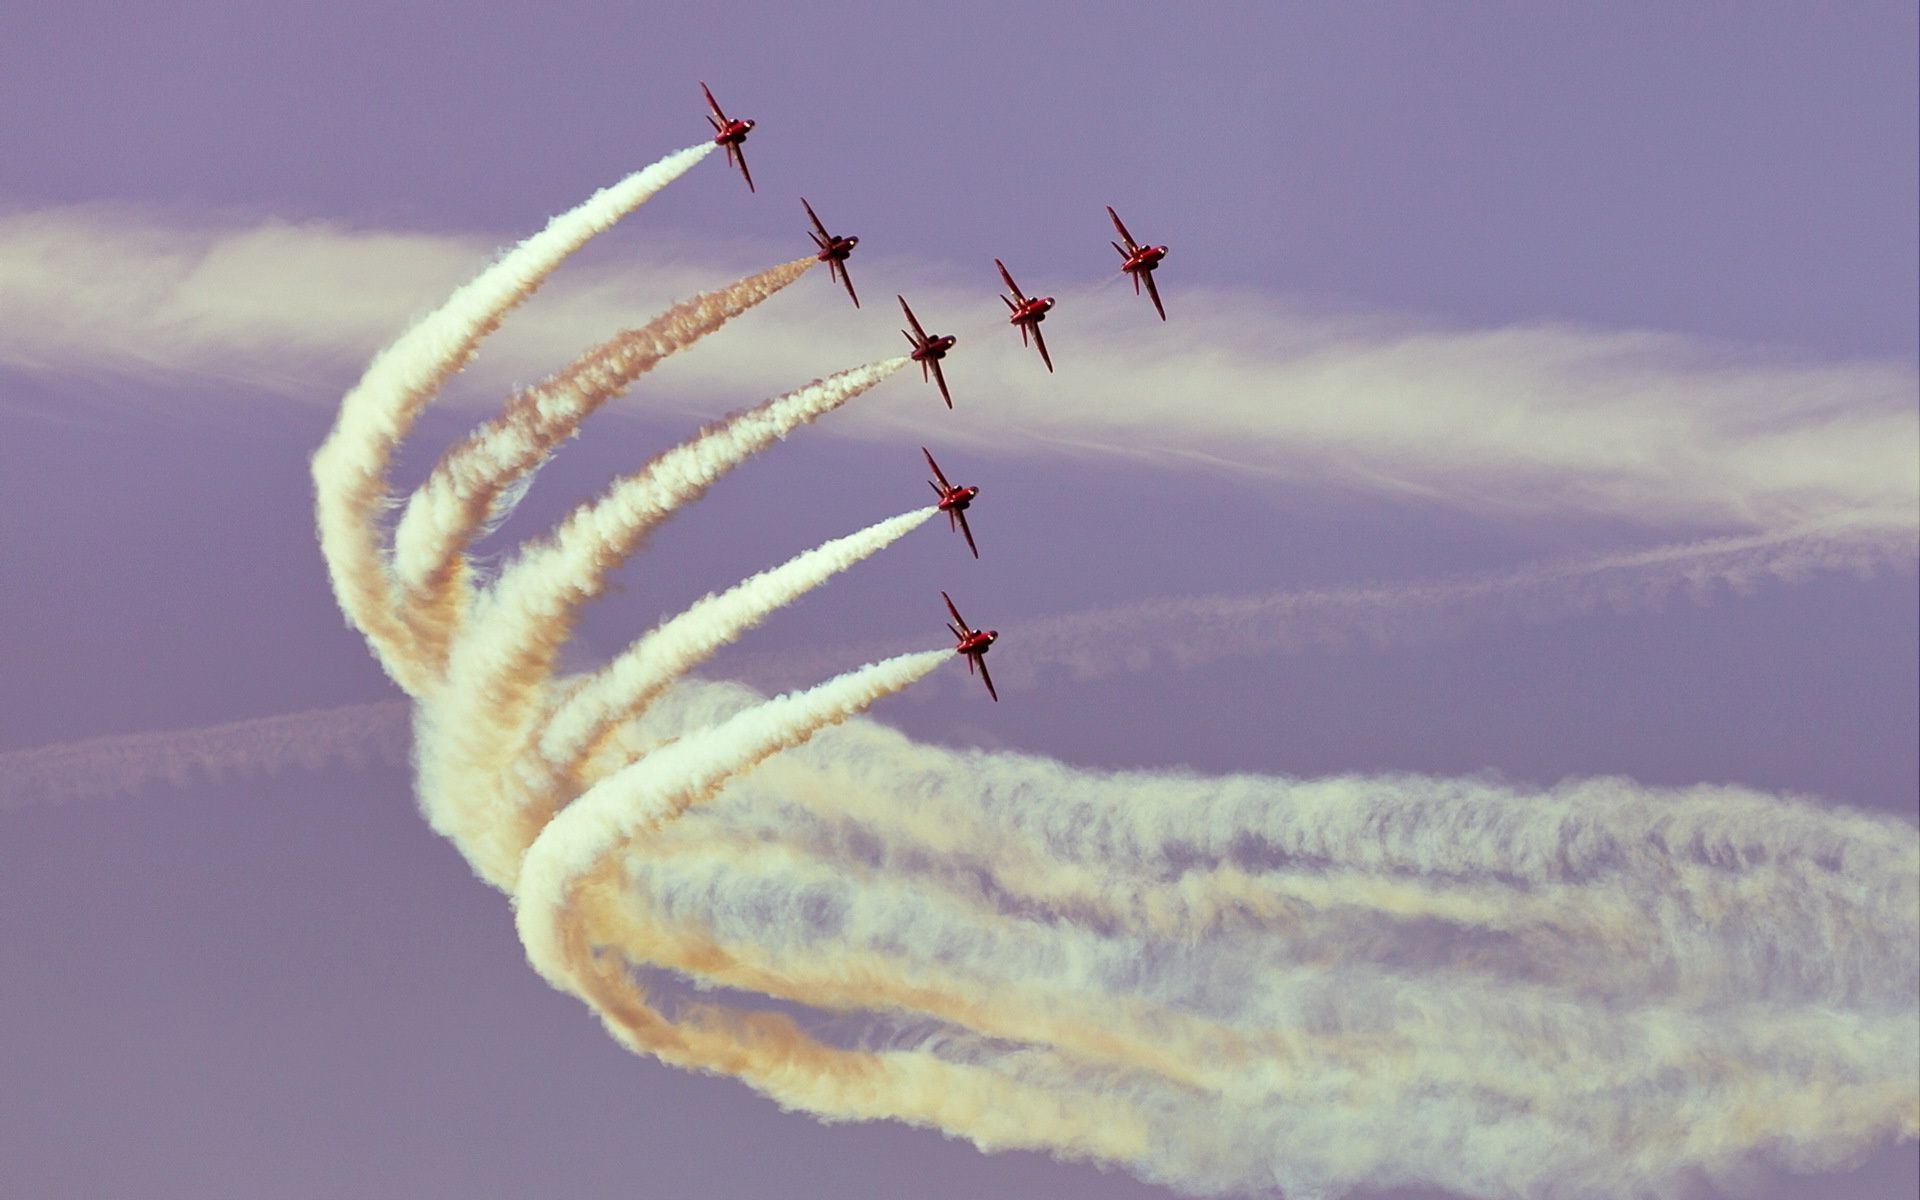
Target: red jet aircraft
928,351
833,250
974,644
1027,313
1138,261
729,133
953,501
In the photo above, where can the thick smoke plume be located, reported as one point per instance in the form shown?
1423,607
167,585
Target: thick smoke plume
350,468
1245,984
476,483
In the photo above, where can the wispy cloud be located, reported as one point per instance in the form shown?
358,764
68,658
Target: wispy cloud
130,763
1672,432
1226,983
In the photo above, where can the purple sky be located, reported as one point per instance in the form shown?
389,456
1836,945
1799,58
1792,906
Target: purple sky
288,987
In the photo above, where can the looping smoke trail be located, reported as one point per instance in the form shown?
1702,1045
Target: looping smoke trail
625,687
647,794
350,468
498,673
475,484
501,811
1244,983
771,1052
524,619
1431,956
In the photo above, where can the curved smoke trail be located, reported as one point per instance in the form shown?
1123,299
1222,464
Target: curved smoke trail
498,674
475,483
350,468
625,687
576,851
1322,961
494,811
1226,984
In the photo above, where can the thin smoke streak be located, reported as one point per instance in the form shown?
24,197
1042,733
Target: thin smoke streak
128,764
1189,631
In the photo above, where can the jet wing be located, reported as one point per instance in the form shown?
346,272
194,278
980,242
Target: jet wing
1040,340
966,532
940,379
935,467
1124,235
919,335
840,269
957,618
824,237
988,679
737,157
1011,285
713,104
1153,292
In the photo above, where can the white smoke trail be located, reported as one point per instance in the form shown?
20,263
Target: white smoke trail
515,801
526,614
1240,983
1183,630
624,688
1448,956
649,793
1186,631
498,675
768,1051
126,764
1402,841
1185,857
927,1085
350,468
1198,858
1199,629
1179,1011
474,483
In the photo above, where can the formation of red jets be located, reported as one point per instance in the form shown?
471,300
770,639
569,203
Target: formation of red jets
1025,312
